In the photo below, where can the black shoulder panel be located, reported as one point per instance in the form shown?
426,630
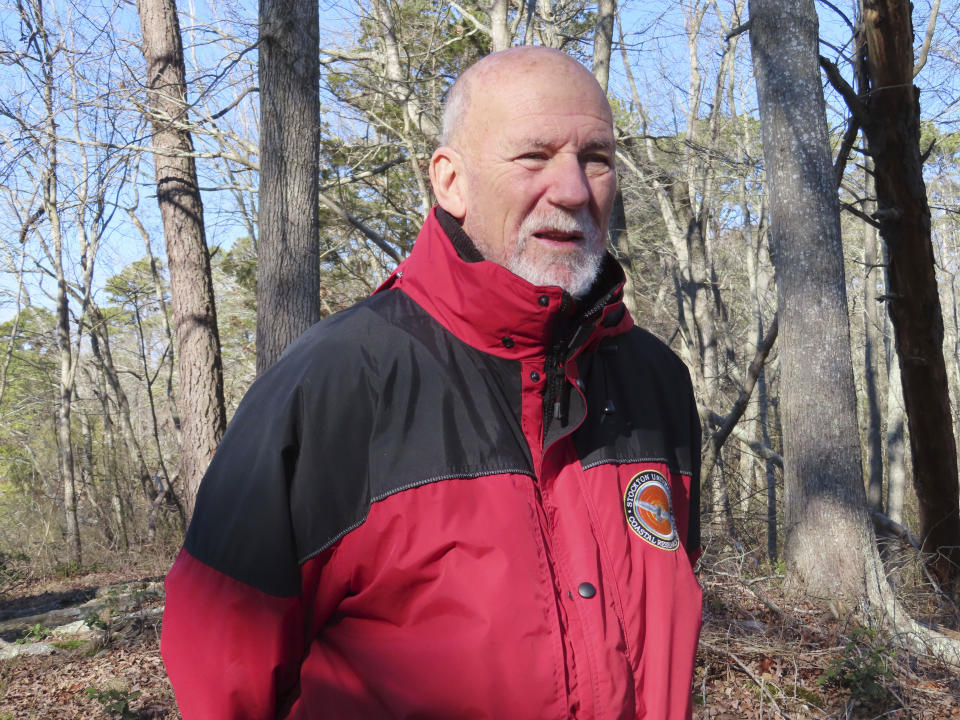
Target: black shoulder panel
369,402
640,408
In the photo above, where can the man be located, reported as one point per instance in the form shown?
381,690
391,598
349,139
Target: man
474,494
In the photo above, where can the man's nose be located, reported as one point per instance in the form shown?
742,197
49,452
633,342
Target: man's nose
569,187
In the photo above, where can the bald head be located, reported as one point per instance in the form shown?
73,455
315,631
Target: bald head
527,165
499,70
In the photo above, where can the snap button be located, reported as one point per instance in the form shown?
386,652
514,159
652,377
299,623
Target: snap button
586,590
544,300
507,341
535,376
580,384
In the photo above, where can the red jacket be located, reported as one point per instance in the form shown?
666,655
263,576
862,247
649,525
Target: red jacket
465,497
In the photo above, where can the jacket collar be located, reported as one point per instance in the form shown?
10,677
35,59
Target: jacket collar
493,310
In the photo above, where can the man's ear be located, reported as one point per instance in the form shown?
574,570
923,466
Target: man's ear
448,180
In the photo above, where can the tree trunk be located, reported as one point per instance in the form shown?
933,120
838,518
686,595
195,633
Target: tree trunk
88,481
162,484
62,327
896,443
499,26
771,476
288,269
831,550
872,344
65,449
603,41
100,345
617,228
110,444
953,360
165,317
829,538
891,124
896,446
549,34
200,389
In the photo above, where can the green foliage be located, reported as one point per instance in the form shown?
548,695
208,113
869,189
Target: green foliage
70,569
11,568
771,689
34,633
69,644
787,691
134,284
96,621
240,264
116,702
27,432
235,282
809,697
863,668
943,145
778,568
104,621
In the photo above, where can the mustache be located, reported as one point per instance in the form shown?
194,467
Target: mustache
562,221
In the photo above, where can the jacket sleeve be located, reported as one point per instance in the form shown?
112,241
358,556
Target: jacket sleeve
233,626
231,650
244,595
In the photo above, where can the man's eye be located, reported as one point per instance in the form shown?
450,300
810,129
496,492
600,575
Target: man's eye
598,160
536,156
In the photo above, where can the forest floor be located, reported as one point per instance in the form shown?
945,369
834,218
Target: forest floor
761,656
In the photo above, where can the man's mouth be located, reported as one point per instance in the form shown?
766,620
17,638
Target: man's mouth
558,235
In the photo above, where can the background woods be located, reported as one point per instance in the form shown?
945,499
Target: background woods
787,216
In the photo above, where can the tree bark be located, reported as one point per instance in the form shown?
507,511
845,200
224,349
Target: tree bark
872,345
603,41
288,269
549,35
110,442
499,26
828,533
161,480
831,549
164,315
65,460
891,124
770,474
103,356
896,443
88,481
200,387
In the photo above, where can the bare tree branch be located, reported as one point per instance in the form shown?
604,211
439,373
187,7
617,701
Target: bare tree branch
927,38
719,436
739,30
369,232
843,154
849,95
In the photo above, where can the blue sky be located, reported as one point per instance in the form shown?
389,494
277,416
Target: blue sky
653,31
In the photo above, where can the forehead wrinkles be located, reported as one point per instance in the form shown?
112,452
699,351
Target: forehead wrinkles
501,95
594,144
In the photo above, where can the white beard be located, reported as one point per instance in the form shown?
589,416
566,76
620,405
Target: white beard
572,270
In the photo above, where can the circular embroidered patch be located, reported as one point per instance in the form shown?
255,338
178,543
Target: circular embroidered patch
649,510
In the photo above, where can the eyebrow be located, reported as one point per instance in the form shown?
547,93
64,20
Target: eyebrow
599,144
589,146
